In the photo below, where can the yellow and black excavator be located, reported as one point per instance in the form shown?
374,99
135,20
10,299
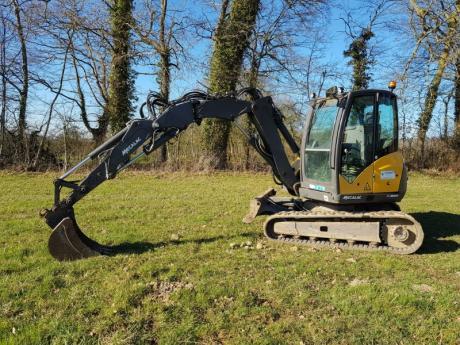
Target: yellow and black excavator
344,186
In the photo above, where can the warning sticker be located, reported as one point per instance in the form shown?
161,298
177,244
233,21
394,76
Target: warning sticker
387,175
367,187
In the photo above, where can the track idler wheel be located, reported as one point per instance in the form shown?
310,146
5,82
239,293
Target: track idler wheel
67,242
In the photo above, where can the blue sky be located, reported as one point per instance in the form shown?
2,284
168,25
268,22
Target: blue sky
390,50
336,43
188,78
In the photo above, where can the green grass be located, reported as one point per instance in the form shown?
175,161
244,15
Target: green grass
198,290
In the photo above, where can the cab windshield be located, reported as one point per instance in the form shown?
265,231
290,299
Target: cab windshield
318,144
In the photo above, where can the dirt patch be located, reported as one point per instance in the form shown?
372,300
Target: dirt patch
164,289
357,282
422,288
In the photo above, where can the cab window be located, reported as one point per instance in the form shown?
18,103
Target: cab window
387,130
358,138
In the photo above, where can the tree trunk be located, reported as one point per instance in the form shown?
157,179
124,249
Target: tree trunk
430,101
121,92
100,132
252,82
445,127
23,94
231,41
164,78
3,110
457,105
65,145
164,81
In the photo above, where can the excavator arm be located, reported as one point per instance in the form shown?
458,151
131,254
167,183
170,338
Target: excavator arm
68,242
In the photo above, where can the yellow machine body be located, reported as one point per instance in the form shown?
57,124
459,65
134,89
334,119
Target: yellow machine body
350,150
382,176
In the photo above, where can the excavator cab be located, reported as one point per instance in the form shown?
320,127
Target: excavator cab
349,152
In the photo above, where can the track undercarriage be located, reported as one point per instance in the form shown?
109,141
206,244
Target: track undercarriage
372,228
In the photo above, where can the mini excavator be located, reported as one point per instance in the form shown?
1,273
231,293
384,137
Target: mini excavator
344,186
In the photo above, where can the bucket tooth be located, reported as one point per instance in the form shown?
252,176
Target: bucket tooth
67,242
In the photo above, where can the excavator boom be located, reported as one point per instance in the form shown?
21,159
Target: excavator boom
68,242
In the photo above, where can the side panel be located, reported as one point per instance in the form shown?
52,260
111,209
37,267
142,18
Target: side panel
387,173
383,176
361,185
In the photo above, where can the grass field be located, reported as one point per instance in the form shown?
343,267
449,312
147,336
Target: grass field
177,280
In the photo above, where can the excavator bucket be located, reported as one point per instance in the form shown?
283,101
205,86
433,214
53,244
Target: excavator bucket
67,242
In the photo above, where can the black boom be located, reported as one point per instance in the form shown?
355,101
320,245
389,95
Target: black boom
68,242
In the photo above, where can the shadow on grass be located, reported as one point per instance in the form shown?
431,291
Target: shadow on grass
143,247
437,226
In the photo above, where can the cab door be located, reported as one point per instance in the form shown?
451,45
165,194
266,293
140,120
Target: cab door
357,147
388,164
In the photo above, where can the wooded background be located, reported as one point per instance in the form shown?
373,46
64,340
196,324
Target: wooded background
73,72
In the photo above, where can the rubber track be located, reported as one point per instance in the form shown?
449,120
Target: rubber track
326,243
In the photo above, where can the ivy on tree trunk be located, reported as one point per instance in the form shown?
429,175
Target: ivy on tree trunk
457,105
121,92
231,40
446,39
358,51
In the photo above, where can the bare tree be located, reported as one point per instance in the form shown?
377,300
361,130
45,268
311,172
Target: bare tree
99,76
161,35
83,27
50,112
435,26
23,85
4,83
277,47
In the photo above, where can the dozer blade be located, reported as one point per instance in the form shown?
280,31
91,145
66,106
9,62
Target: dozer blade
267,204
67,242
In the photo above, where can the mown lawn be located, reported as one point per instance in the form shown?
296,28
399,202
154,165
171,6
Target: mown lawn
177,280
